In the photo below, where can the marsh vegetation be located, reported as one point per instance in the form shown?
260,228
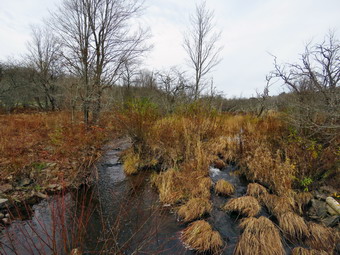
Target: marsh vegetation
190,159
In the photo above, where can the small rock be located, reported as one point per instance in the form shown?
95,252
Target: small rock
5,221
7,215
3,202
25,182
2,215
331,211
318,209
319,195
5,188
333,204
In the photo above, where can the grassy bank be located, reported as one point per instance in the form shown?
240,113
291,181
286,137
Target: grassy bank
42,152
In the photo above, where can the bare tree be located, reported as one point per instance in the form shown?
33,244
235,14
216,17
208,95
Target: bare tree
98,39
44,52
201,45
315,83
174,84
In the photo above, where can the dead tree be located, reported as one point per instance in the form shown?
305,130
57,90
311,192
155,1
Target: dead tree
315,84
44,52
201,45
98,38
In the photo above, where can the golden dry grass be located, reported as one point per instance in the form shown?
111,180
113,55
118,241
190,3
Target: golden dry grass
256,190
293,226
246,205
304,251
201,237
321,238
131,162
278,205
195,208
267,167
166,183
260,236
176,185
224,187
201,189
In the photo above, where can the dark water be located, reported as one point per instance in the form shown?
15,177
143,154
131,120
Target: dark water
119,215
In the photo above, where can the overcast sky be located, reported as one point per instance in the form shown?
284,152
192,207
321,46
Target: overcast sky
251,29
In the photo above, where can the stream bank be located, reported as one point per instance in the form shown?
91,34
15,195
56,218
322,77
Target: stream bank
119,215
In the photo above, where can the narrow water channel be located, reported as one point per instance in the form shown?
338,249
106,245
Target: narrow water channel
119,215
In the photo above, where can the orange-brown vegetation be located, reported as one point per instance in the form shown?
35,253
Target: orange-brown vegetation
260,236
247,205
48,148
200,236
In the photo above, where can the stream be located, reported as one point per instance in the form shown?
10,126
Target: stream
119,215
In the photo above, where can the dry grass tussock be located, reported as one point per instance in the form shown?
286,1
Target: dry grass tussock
304,251
195,208
293,226
267,167
321,238
278,205
260,236
200,236
133,161
29,143
256,190
224,187
176,185
247,206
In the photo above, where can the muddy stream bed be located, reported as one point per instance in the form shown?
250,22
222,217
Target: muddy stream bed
118,215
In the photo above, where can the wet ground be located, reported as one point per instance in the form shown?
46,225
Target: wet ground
119,215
